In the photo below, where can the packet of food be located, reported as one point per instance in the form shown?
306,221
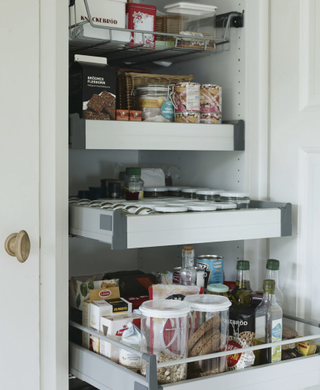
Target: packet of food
132,338
173,291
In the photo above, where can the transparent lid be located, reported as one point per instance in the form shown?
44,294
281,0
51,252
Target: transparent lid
207,302
209,192
177,188
218,287
164,308
194,9
235,194
155,189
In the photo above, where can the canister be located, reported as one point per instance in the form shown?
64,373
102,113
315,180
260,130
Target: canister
211,98
209,195
164,327
186,97
213,266
211,118
241,199
141,17
187,117
155,192
209,329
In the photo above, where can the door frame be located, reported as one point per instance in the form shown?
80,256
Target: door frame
54,142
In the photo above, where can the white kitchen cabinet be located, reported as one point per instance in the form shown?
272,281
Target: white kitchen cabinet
212,157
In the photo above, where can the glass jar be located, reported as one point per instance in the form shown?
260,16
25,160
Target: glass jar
210,195
155,192
189,193
209,329
164,325
153,99
218,289
241,199
133,184
176,191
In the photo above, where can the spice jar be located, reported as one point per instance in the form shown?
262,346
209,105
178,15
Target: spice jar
218,289
189,193
176,191
241,199
209,327
133,184
155,192
154,102
212,195
164,325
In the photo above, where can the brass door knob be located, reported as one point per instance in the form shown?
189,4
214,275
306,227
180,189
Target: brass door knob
18,244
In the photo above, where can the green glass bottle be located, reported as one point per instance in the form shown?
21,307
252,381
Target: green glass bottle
240,295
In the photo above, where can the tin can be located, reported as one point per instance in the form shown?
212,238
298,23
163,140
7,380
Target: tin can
213,266
211,117
186,97
200,276
187,117
211,98
141,17
176,275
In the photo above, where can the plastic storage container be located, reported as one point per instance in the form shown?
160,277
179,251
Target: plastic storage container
208,333
155,192
241,199
212,195
133,184
196,21
176,191
189,193
218,289
164,325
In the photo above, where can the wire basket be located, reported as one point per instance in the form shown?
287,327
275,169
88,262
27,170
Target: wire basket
128,81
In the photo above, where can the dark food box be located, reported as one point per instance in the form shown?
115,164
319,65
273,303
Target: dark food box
92,88
133,283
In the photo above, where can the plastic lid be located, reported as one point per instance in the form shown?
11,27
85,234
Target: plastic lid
200,207
218,287
269,286
235,194
193,190
170,209
133,171
156,189
243,265
164,308
195,9
177,188
207,302
225,206
273,264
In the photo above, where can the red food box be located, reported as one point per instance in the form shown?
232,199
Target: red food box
141,17
135,115
137,300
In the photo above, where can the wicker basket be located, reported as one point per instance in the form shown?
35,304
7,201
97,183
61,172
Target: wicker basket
126,82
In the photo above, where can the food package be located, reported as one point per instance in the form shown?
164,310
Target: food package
308,347
80,286
132,338
173,291
137,300
153,177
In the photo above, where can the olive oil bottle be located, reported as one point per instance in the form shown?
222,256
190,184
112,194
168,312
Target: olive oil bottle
240,295
268,325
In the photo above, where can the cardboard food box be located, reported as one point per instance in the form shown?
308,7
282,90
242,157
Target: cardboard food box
92,313
92,88
80,287
114,327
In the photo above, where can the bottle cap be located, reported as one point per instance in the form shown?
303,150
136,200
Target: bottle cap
273,264
188,248
243,265
133,171
218,287
269,286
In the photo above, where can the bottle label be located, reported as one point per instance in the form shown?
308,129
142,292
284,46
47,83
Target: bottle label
276,335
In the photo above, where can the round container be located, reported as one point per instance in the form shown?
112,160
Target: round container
189,193
133,184
211,195
154,102
201,207
170,209
225,206
187,117
241,199
155,192
213,266
218,289
186,97
176,191
211,118
164,325
211,98
209,330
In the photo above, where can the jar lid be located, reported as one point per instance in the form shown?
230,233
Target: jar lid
273,264
207,302
177,188
235,194
193,190
155,87
209,192
133,171
200,207
243,265
155,189
164,308
225,206
218,287
170,209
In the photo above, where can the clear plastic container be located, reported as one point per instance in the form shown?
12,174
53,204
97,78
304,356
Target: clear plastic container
209,330
176,191
218,289
155,192
209,195
133,184
241,199
189,193
164,325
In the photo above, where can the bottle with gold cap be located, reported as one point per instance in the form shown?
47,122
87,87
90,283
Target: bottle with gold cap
188,273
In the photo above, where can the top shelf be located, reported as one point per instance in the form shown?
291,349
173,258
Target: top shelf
91,39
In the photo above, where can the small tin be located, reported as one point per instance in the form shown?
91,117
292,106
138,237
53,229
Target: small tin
211,98
213,266
186,97
187,117
141,17
211,118
176,275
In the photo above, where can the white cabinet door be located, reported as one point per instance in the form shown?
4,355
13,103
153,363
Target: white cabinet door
33,149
